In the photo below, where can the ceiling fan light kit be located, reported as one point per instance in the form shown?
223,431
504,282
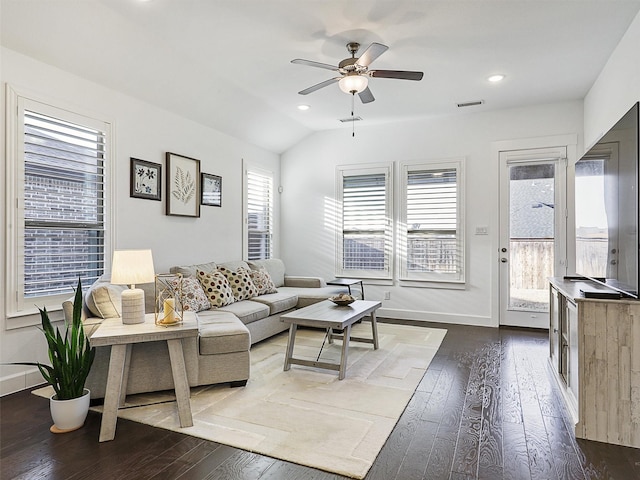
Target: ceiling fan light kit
353,83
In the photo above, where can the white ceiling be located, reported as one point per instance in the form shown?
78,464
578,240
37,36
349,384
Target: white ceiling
226,63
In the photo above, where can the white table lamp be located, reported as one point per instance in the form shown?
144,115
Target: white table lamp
131,267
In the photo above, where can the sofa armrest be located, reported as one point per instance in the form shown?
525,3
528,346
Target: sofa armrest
67,308
304,282
90,324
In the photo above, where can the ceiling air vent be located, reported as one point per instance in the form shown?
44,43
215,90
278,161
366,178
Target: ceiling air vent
470,104
350,119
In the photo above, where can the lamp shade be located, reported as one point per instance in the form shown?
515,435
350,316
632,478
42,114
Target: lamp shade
353,83
131,267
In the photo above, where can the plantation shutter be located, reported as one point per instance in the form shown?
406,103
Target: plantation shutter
259,215
366,233
434,246
64,209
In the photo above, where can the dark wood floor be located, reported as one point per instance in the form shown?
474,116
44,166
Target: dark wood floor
486,408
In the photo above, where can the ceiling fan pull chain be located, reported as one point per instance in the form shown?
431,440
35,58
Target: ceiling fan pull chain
353,120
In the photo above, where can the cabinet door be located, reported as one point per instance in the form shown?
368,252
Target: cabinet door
555,310
572,377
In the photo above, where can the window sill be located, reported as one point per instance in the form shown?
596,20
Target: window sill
433,284
30,318
369,281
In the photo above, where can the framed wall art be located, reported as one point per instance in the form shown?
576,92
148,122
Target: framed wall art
146,179
183,187
211,187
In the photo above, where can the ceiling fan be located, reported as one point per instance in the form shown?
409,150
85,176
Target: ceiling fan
355,73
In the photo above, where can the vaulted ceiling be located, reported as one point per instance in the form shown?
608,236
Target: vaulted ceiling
227,63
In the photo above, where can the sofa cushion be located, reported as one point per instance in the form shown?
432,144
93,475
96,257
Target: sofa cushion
262,280
274,266
221,332
216,287
234,265
278,302
240,282
192,270
247,310
193,297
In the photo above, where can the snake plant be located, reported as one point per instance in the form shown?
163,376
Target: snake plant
71,355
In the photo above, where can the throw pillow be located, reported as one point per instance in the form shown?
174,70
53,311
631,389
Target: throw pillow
193,297
240,281
216,287
104,302
263,282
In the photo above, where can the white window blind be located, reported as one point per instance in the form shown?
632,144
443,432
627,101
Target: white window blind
64,205
365,237
434,246
259,201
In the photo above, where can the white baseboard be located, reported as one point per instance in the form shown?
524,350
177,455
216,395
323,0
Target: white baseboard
476,320
20,381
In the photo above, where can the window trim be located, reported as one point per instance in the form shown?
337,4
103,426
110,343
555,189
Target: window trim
247,168
21,311
435,280
366,169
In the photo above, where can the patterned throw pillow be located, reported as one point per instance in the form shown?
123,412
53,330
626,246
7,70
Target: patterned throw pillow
240,281
216,288
262,280
193,297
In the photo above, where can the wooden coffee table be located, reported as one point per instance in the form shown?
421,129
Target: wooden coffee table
328,315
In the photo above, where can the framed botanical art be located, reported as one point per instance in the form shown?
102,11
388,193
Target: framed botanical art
183,187
146,179
211,187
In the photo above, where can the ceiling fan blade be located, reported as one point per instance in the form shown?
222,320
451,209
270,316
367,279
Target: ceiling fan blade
366,96
300,61
371,53
318,86
400,74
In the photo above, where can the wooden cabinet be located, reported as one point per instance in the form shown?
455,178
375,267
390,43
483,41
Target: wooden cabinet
595,354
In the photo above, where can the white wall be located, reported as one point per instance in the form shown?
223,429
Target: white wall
616,89
308,179
146,132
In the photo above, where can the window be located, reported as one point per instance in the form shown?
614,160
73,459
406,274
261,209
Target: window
433,240
365,234
58,231
259,214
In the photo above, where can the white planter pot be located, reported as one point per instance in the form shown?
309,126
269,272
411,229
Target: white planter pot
69,415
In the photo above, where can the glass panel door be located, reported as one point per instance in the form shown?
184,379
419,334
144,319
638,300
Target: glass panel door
532,234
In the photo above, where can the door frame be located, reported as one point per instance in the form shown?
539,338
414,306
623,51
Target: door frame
570,141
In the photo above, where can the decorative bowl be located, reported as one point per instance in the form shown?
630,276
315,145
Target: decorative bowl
342,300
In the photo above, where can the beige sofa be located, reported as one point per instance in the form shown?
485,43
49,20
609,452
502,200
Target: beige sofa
220,353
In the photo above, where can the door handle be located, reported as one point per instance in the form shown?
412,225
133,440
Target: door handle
503,260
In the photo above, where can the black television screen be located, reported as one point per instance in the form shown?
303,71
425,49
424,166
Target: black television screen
606,208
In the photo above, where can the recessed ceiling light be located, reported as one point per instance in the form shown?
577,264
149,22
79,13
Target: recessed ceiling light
303,107
496,78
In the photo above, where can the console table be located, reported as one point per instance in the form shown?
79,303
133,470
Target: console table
121,338
595,356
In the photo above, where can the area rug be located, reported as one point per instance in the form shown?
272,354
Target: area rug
306,415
